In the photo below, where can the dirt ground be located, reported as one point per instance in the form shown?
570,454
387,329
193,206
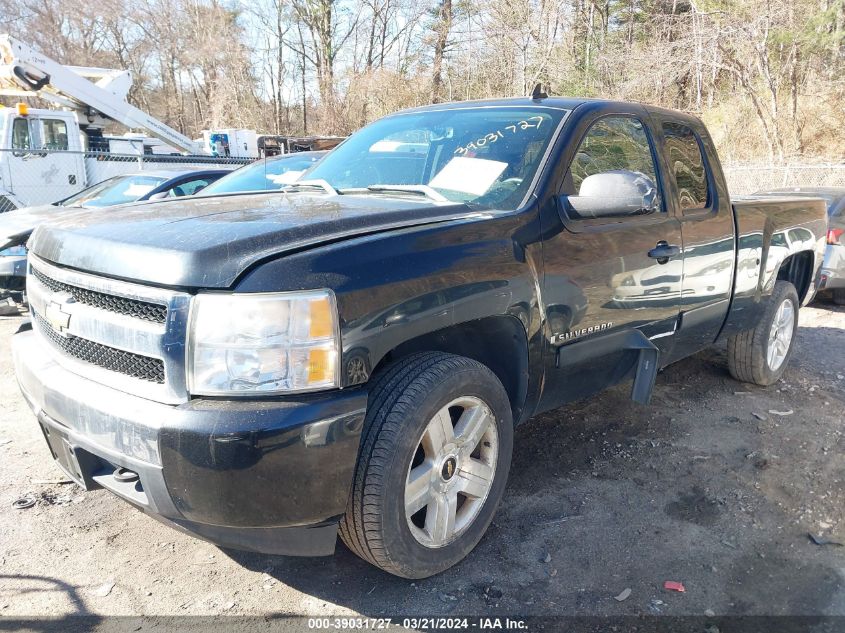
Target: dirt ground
716,485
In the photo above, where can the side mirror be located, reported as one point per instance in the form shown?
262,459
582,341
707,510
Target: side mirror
618,193
161,195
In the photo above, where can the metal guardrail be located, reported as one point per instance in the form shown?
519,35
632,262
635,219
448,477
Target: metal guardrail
746,179
29,178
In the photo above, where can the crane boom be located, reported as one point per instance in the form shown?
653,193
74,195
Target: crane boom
94,94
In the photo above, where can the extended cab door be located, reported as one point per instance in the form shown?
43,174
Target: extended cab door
696,187
612,263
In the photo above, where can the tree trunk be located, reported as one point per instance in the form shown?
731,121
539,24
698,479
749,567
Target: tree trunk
443,26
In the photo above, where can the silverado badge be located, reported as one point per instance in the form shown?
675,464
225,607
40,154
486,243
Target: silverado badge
559,339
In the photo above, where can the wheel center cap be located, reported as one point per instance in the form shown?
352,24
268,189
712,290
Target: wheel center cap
449,468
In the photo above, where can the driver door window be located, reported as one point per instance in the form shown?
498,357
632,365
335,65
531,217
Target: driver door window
20,134
613,173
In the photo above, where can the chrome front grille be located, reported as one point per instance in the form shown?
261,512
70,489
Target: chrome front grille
125,335
153,312
134,365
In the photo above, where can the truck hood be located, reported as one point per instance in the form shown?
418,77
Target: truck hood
16,225
208,242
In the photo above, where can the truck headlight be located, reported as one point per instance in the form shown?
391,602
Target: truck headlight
264,343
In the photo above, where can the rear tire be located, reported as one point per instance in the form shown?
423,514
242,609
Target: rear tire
433,464
838,295
760,355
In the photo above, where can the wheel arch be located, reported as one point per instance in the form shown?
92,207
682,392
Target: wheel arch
797,269
498,342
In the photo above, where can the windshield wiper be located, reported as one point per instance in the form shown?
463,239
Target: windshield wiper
317,183
423,190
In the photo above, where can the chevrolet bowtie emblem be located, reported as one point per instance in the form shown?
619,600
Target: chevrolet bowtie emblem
58,318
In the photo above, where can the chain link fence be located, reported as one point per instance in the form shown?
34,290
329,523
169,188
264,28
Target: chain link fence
746,179
29,178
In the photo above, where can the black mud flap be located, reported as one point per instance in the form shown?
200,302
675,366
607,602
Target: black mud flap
647,364
636,356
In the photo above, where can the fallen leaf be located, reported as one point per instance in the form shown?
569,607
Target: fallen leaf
624,595
103,590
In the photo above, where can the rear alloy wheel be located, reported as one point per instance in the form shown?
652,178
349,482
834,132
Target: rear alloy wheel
780,334
760,355
433,464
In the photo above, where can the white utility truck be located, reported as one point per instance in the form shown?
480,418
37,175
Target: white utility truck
48,155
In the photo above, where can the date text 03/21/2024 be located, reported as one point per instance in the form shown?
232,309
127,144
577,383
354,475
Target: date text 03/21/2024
419,623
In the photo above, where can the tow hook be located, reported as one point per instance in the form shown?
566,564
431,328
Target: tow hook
125,475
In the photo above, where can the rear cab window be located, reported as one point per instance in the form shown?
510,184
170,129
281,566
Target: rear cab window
687,167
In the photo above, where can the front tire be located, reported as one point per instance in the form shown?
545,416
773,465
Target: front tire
433,464
760,355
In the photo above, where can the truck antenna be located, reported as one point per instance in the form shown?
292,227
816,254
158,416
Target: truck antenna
538,93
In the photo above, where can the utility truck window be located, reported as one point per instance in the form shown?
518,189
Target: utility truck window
20,134
483,156
55,134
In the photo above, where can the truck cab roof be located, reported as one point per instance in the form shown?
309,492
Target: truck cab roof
561,103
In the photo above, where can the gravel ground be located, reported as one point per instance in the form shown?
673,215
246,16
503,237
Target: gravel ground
716,485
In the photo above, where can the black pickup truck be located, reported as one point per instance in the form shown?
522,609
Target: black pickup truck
353,355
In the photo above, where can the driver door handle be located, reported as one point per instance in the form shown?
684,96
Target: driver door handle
664,251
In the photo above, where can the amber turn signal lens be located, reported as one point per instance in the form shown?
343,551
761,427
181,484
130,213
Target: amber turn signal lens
321,318
320,365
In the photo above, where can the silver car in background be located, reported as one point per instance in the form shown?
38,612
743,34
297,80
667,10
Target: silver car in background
832,277
17,225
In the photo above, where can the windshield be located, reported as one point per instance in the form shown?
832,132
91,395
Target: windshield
117,190
486,156
270,174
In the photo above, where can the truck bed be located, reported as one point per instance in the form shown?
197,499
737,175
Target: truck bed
768,231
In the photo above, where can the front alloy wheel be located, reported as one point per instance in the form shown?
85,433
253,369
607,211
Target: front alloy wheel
433,464
452,471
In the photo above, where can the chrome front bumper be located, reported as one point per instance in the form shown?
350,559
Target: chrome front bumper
112,420
270,476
